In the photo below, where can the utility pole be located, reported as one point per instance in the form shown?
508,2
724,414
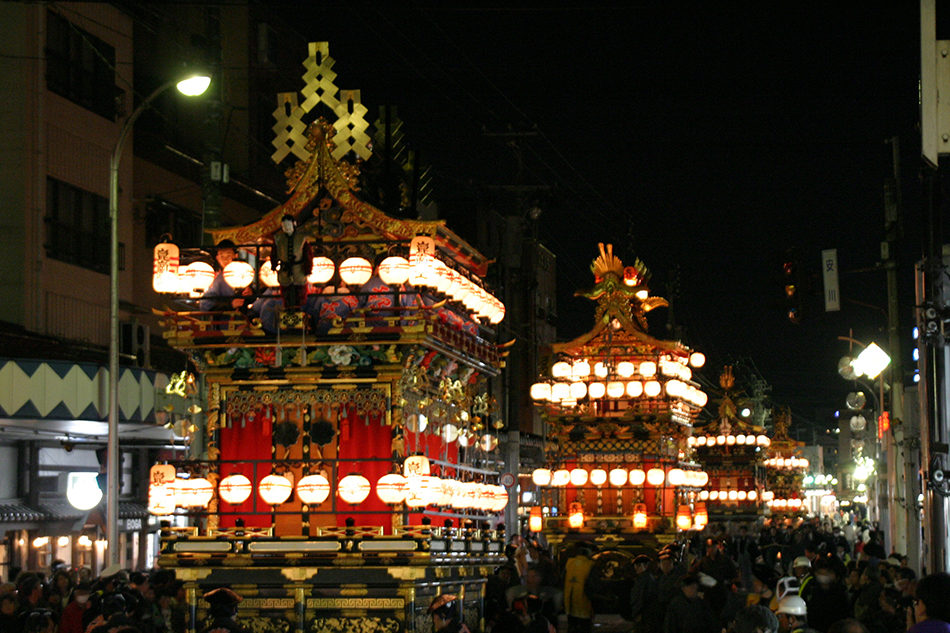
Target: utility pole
214,170
898,477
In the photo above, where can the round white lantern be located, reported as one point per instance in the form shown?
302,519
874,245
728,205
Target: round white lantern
655,476
322,270
541,391
235,489
268,275
313,489
355,271
541,477
560,477
598,476
275,489
596,390
353,489
617,477
394,270
391,488
578,477
637,477
196,279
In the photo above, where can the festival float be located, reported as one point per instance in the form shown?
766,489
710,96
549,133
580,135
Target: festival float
618,406
732,451
347,469
785,472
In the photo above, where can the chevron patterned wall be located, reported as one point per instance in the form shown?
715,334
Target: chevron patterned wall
53,390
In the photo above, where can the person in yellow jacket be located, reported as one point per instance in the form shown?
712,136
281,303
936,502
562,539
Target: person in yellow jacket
577,605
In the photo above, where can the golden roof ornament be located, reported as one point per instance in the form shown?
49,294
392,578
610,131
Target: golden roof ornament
620,291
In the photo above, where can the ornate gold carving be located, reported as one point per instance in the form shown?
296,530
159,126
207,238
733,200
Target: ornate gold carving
355,603
267,603
289,128
350,126
355,625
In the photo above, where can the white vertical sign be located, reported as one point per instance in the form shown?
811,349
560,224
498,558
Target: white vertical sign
829,275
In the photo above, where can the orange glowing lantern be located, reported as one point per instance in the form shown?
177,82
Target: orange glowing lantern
238,274
313,489
353,489
575,519
275,489
535,519
235,489
161,499
701,517
165,259
639,516
683,518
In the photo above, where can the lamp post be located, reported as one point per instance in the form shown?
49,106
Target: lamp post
871,363
192,86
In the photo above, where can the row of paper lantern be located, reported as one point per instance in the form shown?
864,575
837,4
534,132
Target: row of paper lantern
673,367
786,462
783,504
415,491
569,393
685,518
729,440
618,477
420,270
729,495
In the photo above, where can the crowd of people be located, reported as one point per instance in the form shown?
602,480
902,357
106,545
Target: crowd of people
813,578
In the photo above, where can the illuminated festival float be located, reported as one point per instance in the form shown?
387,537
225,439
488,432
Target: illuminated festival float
732,450
347,469
785,472
618,406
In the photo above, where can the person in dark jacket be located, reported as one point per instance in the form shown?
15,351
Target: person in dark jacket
688,611
643,595
828,599
222,608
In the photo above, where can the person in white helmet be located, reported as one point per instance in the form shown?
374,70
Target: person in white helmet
793,615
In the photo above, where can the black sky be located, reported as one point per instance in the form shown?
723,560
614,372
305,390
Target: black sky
705,140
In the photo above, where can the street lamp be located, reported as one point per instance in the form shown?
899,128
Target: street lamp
192,85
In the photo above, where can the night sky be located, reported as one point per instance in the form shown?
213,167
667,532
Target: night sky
705,141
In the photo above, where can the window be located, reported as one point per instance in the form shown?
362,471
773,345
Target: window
161,217
80,66
77,226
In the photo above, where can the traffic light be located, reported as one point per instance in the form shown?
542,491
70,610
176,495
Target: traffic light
792,282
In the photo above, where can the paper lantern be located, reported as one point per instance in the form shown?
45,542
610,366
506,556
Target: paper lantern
161,499
394,270
697,359
684,519
656,476
560,391
730,440
268,275
446,492
580,369
578,390
322,270
275,489
561,369
617,477
165,260
578,477
639,516
391,488
313,489
676,477
541,477
575,518
615,389
598,476
625,369
560,477
238,274
701,440
648,369
637,477
355,271
353,489
499,498
193,493
541,391
701,517
196,279
416,465
691,441
596,390
535,519
652,388
634,388
235,489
